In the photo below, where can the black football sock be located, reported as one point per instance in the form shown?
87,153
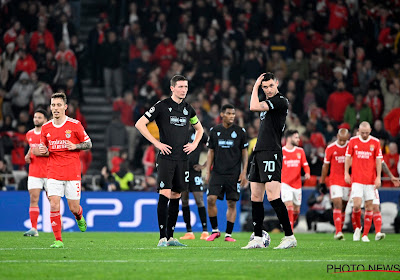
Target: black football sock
257,212
173,212
214,223
203,217
186,217
229,228
162,213
283,217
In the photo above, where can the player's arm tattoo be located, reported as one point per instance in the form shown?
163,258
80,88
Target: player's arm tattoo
84,145
386,169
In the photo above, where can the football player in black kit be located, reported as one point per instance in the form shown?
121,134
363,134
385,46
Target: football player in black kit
173,117
227,154
197,189
266,166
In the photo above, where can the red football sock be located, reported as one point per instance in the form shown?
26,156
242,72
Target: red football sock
295,216
337,219
55,219
290,214
79,215
356,219
343,218
367,222
33,215
377,217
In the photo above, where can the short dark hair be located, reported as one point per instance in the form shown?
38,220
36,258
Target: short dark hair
269,76
290,133
60,95
227,106
177,78
43,112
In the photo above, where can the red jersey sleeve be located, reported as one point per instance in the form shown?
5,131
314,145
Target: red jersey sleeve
328,155
81,133
350,149
378,151
304,163
43,139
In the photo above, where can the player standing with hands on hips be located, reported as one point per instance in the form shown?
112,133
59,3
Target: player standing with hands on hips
266,166
173,116
63,137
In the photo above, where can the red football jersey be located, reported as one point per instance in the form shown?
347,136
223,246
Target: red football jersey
38,165
364,154
63,164
293,161
335,156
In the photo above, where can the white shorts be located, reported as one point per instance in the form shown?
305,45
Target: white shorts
71,189
290,194
366,192
340,192
37,183
376,200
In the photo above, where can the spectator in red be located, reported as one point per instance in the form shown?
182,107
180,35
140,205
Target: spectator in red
149,160
392,122
126,106
117,160
42,36
374,102
66,54
12,33
136,49
164,54
86,158
25,63
337,103
391,159
338,15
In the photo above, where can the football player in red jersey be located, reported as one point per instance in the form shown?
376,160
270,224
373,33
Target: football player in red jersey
365,156
63,137
37,169
294,159
339,189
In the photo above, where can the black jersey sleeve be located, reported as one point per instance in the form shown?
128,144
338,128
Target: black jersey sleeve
153,112
243,140
211,140
192,116
277,104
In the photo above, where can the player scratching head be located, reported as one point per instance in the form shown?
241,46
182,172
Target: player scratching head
58,106
39,118
292,138
342,136
364,130
228,114
179,88
269,85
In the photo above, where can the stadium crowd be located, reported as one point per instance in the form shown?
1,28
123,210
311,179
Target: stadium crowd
337,62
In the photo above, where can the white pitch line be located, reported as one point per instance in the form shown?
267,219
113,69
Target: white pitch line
162,261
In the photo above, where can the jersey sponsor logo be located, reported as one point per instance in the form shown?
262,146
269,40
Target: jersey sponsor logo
225,143
185,112
340,159
292,162
177,121
234,135
363,154
68,133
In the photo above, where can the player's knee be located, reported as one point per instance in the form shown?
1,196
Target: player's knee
185,202
211,201
231,204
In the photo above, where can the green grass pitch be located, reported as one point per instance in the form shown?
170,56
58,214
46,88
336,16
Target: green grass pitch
135,256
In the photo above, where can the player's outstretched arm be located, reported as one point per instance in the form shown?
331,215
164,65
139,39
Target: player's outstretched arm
190,147
255,104
141,125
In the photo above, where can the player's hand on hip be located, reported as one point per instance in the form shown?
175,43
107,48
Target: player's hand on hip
378,182
198,167
243,180
28,158
70,146
42,149
164,148
347,178
259,79
189,147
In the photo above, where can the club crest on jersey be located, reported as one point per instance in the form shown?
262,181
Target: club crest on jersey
185,112
371,148
298,155
234,135
68,133
170,109
218,133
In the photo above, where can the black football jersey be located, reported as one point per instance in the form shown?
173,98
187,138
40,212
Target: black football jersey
173,121
272,124
195,155
227,144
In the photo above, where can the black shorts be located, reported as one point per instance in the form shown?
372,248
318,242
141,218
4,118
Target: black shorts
224,184
195,181
266,166
172,174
